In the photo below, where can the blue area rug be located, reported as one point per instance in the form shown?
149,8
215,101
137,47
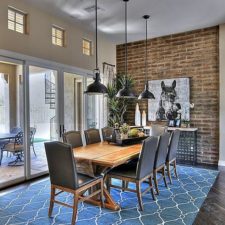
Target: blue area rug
179,204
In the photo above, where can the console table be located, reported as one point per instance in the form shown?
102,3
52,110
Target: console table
187,147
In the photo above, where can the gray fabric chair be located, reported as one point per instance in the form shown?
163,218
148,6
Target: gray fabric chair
64,177
73,138
92,136
143,171
171,156
160,159
157,130
107,132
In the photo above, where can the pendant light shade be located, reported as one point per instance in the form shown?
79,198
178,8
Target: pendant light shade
146,94
96,88
126,91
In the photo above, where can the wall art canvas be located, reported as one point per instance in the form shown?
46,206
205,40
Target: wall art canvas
172,99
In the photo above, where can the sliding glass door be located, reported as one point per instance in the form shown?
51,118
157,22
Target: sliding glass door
73,102
11,122
43,111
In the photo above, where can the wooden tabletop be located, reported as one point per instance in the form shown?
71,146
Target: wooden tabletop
108,155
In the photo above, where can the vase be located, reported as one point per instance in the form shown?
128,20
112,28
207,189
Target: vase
137,116
124,136
143,120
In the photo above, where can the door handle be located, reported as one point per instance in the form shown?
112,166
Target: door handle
60,130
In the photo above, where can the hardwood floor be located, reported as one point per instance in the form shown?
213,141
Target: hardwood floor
212,211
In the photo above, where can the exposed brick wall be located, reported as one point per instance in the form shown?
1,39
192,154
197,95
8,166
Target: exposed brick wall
192,54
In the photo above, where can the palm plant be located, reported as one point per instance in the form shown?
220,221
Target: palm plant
117,106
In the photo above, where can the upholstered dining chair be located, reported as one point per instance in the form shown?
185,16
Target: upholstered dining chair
64,177
73,138
16,148
160,159
92,136
143,171
107,132
157,130
171,156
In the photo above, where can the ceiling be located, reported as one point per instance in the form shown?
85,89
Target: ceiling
167,16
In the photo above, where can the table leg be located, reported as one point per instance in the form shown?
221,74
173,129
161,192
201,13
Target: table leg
109,203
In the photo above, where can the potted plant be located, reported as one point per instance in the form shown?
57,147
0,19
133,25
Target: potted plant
117,106
124,129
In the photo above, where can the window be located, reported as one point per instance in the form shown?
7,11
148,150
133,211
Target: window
16,20
87,46
58,36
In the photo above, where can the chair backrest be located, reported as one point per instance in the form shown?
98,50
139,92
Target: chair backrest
73,138
157,130
61,164
147,157
15,130
161,154
92,136
173,146
107,132
32,133
19,138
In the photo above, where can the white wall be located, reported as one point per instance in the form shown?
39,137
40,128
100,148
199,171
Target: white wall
38,42
222,95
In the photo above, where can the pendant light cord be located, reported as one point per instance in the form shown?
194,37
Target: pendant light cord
146,49
126,41
96,34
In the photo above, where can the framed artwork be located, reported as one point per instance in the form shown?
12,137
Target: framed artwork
172,99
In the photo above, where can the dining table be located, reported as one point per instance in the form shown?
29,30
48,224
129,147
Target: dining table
103,157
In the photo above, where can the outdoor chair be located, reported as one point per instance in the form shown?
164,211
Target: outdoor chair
16,148
32,133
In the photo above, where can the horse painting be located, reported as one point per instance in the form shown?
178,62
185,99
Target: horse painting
167,104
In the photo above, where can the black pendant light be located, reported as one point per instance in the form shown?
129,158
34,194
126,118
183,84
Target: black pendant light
146,94
96,88
126,91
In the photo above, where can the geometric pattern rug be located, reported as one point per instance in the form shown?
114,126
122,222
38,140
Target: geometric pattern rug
179,204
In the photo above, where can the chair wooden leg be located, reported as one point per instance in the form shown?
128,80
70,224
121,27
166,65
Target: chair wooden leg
164,176
175,168
75,206
102,194
52,198
108,183
168,171
151,186
123,185
156,182
138,188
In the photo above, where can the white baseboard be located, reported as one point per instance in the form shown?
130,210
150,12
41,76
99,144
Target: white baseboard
221,163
